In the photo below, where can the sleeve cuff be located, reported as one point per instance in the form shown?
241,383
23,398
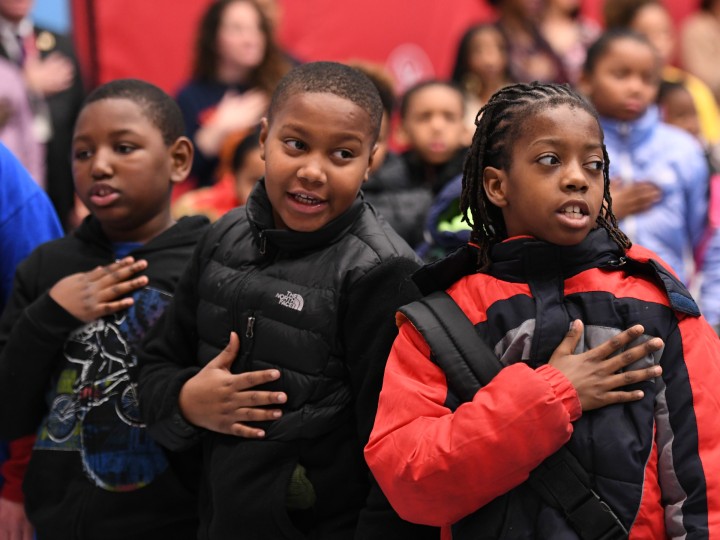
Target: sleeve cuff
51,318
564,390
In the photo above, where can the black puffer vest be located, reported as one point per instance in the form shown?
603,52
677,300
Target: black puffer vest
283,292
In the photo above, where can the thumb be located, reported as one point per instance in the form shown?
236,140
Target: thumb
571,339
227,356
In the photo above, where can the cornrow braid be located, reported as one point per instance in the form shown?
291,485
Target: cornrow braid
497,124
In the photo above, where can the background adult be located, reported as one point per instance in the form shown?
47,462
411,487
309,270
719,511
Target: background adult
700,44
237,65
55,87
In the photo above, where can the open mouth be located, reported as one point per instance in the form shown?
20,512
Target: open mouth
574,211
103,195
305,199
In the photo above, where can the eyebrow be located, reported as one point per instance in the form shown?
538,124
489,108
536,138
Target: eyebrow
116,133
550,140
341,136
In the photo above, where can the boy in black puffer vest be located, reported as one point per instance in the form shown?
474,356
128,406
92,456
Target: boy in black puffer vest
272,353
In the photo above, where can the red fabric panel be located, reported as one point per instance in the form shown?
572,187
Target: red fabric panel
415,39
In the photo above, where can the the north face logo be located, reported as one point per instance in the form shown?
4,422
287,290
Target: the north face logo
291,300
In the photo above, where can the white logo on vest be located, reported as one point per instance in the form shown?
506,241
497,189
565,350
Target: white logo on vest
291,300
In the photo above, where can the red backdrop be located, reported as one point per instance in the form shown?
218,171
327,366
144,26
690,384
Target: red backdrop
415,39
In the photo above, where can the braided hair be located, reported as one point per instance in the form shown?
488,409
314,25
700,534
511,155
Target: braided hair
498,124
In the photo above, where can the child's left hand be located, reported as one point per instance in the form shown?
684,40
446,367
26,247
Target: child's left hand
221,401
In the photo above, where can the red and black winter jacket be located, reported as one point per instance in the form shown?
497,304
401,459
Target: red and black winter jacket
653,460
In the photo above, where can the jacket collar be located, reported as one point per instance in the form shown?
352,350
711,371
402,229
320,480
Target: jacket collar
631,133
185,232
525,259
262,222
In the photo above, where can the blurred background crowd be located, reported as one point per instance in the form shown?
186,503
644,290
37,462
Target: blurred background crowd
434,63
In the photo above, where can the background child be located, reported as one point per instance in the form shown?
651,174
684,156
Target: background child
678,109
79,309
433,130
481,68
549,255
303,281
659,171
243,169
652,19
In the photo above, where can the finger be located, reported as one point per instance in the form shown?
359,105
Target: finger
115,274
241,430
257,398
254,414
118,290
99,271
615,343
113,307
570,341
633,377
634,354
227,356
622,397
251,379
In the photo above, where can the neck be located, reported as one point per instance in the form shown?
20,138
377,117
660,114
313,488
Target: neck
142,233
230,73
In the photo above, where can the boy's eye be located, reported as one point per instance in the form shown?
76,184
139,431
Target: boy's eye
343,154
548,160
295,144
123,148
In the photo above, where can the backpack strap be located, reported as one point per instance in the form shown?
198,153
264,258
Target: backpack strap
453,342
469,364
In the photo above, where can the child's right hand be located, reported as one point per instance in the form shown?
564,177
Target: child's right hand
90,295
633,198
217,400
594,373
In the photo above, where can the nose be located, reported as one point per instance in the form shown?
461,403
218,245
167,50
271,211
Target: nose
575,179
101,166
312,170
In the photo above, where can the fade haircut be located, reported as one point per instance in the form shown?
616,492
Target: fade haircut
330,78
414,90
600,47
499,124
157,106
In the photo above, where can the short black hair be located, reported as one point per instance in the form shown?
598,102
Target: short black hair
243,148
499,124
670,87
330,78
601,45
158,106
411,92
383,82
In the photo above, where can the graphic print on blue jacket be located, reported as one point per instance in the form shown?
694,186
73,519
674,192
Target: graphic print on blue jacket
94,407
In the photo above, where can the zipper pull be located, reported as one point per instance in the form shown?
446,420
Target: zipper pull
249,330
263,243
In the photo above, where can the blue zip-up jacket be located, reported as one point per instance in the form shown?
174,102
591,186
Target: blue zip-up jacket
648,149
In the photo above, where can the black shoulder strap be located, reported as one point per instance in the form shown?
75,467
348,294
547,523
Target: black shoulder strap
453,342
469,364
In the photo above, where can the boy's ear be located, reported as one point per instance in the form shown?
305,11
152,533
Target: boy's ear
181,154
371,159
263,136
495,184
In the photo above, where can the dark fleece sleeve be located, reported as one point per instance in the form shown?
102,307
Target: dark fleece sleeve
167,361
33,329
370,330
